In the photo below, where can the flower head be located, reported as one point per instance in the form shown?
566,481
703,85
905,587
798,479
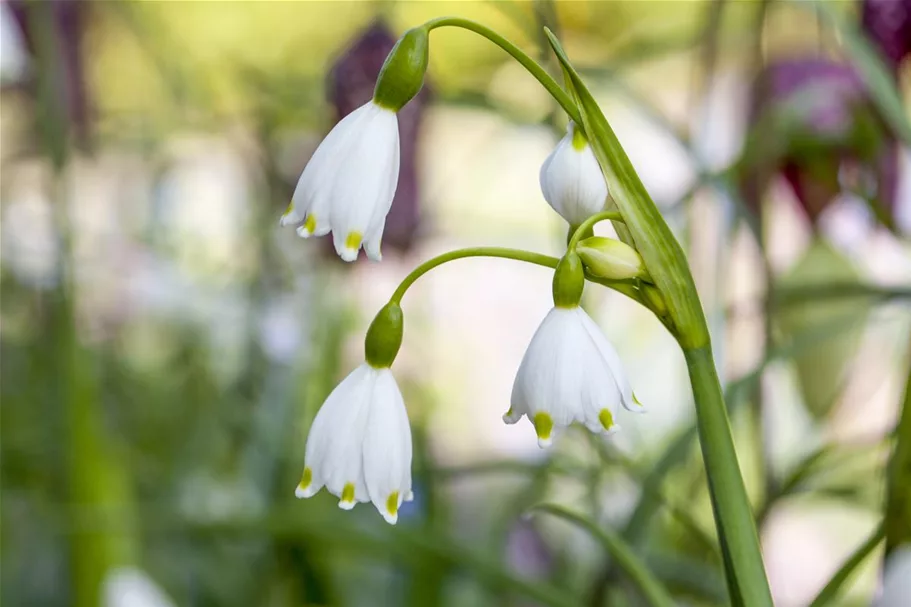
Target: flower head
570,373
351,81
348,185
571,178
359,446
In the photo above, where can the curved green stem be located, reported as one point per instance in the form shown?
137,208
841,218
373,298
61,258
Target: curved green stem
517,254
589,223
652,589
540,74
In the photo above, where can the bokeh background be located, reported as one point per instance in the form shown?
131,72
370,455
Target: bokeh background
165,345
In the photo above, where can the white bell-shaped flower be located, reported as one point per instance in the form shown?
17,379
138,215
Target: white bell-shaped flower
571,179
359,446
349,183
570,373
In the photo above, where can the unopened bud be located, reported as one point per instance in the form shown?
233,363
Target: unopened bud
611,259
403,72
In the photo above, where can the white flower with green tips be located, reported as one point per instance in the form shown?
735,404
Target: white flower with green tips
359,446
570,373
571,179
348,185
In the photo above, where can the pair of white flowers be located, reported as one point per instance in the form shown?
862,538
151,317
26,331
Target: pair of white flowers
348,185
359,446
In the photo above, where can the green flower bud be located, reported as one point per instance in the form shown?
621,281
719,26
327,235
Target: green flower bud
569,280
612,259
384,337
402,75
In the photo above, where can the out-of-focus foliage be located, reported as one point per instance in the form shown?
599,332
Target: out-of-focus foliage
821,367
164,347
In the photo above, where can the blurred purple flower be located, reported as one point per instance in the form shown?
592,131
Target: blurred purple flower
888,24
351,82
813,123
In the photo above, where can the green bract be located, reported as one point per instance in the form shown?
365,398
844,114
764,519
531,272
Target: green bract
384,337
402,75
609,258
569,280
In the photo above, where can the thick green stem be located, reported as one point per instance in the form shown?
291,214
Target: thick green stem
533,67
733,515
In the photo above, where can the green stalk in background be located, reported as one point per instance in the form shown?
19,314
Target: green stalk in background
898,484
97,478
667,265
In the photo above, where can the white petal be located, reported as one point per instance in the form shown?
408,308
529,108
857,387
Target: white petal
334,446
387,448
545,180
372,244
549,376
364,186
572,181
565,377
347,243
612,359
319,172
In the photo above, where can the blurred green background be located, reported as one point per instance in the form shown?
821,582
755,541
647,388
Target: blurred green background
164,346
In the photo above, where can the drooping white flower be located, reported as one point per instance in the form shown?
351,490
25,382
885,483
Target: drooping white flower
348,185
896,591
359,446
570,373
571,179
